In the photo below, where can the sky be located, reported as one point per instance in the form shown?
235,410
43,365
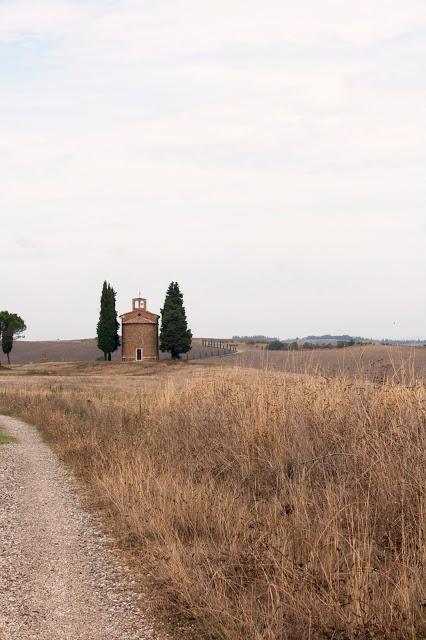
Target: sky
269,156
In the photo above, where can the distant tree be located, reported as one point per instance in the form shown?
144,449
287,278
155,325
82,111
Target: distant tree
11,326
342,344
276,345
108,325
253,339
175,337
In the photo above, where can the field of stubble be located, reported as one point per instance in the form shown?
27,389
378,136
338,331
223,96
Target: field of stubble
373,362
256,504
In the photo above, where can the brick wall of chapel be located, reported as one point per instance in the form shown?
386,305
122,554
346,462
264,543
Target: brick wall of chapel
135,336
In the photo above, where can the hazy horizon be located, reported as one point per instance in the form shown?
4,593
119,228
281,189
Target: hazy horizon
244,337
283,338
269,157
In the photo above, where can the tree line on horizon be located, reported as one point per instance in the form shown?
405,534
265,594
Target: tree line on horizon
324,341
175,336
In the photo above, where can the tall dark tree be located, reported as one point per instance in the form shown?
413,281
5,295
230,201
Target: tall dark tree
108,325
114,322
3,320
12,326
175,337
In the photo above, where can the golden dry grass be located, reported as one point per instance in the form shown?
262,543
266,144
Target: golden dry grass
262,505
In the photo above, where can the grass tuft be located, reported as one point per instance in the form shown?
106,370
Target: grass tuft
7,439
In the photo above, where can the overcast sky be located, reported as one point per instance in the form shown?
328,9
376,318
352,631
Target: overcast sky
268,155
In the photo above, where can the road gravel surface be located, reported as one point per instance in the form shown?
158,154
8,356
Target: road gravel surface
60,579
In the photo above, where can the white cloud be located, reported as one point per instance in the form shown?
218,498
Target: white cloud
25,18
193,26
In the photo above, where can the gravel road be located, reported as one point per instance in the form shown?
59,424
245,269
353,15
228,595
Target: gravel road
59,580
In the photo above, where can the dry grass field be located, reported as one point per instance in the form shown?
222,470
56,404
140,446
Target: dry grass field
256,504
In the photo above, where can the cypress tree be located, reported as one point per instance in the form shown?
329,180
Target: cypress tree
108,325
115,325
175,337
102,328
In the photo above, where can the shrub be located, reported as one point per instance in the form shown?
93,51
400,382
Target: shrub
276,345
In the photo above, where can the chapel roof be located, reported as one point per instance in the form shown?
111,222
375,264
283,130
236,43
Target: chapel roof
139,316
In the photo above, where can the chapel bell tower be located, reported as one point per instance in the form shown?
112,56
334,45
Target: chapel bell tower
139,303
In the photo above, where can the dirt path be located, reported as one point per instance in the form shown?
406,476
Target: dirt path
58,578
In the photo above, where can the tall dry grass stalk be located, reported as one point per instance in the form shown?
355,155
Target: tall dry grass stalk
263,506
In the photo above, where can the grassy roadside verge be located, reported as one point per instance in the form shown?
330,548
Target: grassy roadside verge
7,439
262,506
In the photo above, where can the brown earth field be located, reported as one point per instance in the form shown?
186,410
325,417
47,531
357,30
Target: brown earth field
85,350
375,362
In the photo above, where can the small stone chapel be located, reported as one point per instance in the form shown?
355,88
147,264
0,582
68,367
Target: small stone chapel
139,333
